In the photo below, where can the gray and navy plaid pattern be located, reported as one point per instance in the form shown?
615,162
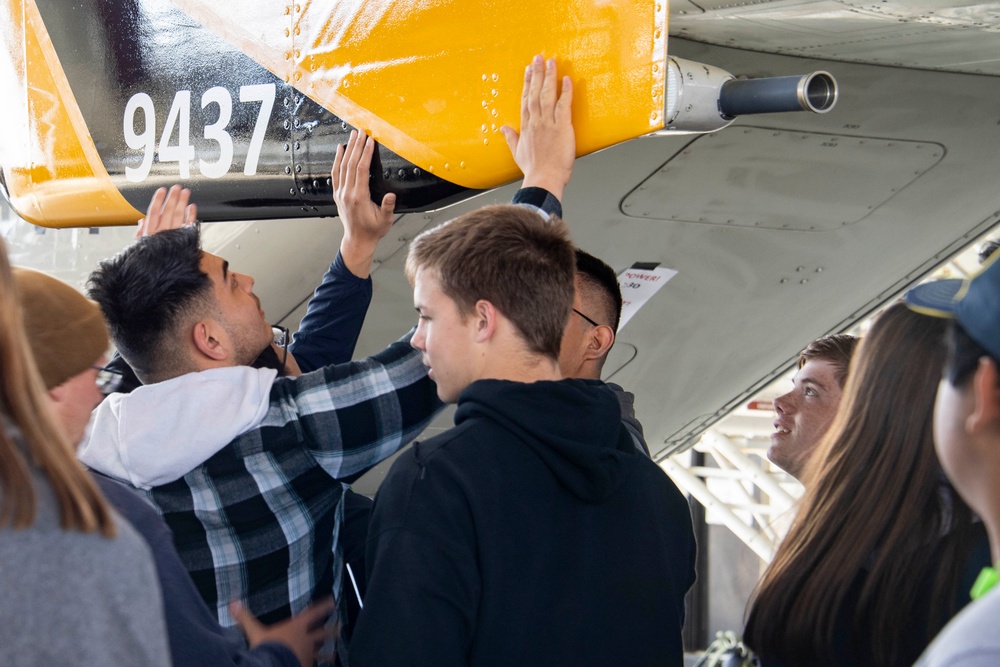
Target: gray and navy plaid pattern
539,198
259,520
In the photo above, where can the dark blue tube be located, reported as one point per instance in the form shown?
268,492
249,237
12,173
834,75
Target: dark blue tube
816,92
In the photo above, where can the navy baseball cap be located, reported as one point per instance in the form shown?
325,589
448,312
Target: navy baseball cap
974,303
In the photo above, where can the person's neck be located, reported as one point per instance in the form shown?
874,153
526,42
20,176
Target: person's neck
268,358
981,493
521,368
991,519
205,364
588,371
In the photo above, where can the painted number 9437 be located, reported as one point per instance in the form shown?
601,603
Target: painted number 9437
179,123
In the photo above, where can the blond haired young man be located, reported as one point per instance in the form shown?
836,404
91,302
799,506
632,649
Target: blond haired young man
534,532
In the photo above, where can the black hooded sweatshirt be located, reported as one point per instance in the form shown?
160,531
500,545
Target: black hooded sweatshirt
532,533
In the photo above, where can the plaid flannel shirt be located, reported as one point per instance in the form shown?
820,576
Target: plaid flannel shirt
259,520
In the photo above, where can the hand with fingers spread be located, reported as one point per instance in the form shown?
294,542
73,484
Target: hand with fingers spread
168,210
365,222
303,633
546,146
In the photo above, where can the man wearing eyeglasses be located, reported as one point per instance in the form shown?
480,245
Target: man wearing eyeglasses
69,340
590,333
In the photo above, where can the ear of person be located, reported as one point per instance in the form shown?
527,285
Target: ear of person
486,320
985,416
210,340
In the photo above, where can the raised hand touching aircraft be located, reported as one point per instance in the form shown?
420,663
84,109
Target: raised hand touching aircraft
365,222
546,146
168,210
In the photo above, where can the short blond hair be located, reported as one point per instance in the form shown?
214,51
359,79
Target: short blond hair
511,256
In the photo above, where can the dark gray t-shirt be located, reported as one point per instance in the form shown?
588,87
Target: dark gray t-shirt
626,401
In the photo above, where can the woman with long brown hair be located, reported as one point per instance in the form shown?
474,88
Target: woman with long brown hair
881,552
79,585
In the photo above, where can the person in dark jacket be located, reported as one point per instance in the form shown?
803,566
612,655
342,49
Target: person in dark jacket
534,532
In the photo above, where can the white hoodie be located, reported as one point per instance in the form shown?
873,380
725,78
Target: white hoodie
160,432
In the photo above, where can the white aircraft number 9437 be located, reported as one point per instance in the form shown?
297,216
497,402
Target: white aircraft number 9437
183,151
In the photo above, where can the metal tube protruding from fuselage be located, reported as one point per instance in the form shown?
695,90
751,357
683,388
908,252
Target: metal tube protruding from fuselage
816,92
704,98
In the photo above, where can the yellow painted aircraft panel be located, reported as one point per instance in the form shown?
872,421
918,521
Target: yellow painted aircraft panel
434,81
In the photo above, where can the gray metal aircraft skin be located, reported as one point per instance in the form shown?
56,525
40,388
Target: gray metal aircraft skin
782,227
